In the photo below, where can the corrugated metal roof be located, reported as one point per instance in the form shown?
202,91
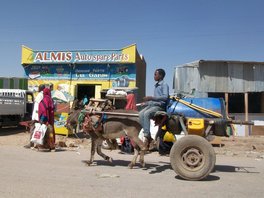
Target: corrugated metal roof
196,62
219,76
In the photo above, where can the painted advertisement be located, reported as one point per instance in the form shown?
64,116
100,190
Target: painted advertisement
125,55
48,72
120,75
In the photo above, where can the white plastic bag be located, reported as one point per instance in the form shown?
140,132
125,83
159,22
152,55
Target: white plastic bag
39,133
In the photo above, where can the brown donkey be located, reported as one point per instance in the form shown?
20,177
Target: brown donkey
109,127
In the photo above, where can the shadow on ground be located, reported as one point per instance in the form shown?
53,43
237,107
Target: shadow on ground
234,169
151,167
12,130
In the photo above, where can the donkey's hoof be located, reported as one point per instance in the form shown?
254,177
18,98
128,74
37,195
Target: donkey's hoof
142,164
87,162
110,160
131,165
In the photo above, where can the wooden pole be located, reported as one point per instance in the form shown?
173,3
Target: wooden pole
226,103
113,113
227,113
246,113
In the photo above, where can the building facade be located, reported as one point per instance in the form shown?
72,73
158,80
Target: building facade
76,73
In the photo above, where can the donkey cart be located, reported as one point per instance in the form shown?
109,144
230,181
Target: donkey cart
192,157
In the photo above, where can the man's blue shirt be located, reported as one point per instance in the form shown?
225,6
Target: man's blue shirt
161,93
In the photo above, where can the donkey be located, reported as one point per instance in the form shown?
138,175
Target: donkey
114,126
72,123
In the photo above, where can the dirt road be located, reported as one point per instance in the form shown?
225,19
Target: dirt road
239,172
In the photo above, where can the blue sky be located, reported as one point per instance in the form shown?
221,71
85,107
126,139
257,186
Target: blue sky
167,33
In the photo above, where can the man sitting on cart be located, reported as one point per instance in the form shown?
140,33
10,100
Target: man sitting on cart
152,104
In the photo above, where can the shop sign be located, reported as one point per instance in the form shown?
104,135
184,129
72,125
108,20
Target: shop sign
80,57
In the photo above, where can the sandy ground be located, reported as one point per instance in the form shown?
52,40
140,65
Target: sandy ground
239,171
252,146
18,136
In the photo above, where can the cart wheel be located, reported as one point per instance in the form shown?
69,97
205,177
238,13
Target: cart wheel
192,157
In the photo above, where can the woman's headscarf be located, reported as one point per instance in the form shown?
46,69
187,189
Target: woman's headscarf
46,107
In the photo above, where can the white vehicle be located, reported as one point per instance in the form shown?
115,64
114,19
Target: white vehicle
16,105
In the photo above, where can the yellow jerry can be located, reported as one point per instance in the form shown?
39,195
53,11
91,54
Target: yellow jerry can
195,126
168,136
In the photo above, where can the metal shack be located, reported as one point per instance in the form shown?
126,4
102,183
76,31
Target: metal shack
79,73
13,83
240,83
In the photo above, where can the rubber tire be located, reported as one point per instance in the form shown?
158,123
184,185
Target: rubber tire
191,143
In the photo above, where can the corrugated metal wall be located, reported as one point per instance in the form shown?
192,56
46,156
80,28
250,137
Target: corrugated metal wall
219,77
13,83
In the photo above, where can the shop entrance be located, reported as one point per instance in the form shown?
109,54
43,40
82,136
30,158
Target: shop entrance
84,89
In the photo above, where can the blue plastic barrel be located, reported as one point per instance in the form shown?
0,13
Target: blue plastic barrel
213,104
